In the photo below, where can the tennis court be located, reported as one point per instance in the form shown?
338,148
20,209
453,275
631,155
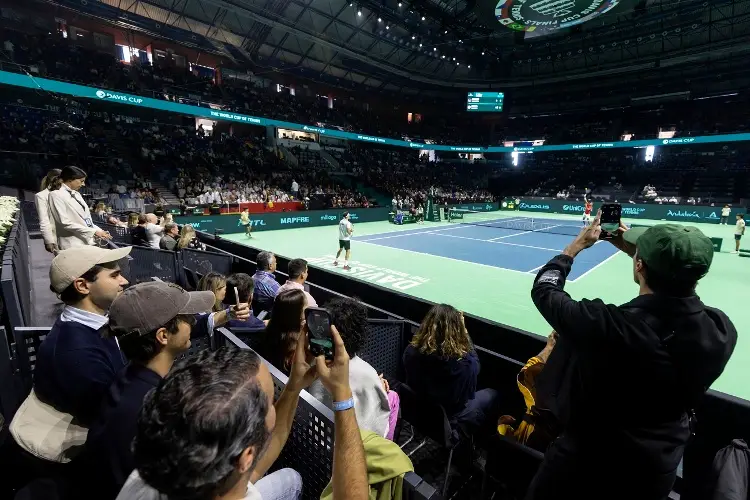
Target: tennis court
485,265
520,244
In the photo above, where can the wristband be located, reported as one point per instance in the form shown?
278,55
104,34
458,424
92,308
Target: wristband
343,405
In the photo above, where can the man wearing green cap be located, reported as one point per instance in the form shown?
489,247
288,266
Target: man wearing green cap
623,380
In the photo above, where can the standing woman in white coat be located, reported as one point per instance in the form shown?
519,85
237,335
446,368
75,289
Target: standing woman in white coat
51,182
70,214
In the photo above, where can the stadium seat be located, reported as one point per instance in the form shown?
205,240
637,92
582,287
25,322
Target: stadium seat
432,421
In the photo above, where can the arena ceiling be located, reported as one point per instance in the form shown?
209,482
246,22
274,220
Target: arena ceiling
415,45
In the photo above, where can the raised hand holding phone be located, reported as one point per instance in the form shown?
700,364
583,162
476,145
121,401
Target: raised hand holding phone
334,374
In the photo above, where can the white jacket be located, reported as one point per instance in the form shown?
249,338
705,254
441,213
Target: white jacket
72,218
47,227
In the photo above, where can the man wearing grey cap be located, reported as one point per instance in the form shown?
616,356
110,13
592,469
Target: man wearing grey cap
152,322
75,364
623,380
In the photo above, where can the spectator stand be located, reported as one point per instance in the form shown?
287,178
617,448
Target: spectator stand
309,449
388,336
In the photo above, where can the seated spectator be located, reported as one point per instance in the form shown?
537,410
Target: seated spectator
188,239
266,286
216,283
298,272
138,233
284,328
441,363
74,364
152,322
132,219
169,240
244,285
538,428
209,431
375,404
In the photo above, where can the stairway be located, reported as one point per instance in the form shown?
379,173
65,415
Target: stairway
166,193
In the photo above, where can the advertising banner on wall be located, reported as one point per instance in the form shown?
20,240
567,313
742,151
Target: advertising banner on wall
285,220
677,213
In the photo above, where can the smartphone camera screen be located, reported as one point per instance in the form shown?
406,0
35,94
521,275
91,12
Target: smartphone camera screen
610,220
319,325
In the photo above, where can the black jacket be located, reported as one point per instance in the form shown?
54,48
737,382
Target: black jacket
731,472
629,374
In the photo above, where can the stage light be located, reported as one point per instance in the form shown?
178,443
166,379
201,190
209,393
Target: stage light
359,12
420,44
443,56
399,4
422,18
482,53
446,32
387,27
434,49
380,20
460,41
351,4
454,58
469,66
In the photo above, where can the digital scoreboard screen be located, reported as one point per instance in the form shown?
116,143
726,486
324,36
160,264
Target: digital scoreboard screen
485,102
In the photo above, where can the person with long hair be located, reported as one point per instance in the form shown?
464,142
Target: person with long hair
216,283
285,328
441,363
188,239
51,182
72,218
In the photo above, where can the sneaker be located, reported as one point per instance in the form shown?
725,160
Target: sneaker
347,268
335,263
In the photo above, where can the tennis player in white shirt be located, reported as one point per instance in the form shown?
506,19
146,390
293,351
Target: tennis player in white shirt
345,236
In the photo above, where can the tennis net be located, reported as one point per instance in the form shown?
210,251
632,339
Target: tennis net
516,223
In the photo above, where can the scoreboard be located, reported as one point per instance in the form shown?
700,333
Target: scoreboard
485,102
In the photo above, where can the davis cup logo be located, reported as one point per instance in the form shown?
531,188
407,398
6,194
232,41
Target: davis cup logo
549,15
101,94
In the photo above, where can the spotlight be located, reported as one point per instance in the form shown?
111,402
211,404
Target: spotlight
359,12
446,32
413,37
460,41
420,44
351,4
422,18
443,56
454,58
434,49
482,53
458,64
387,27
469,66
399,4
380,20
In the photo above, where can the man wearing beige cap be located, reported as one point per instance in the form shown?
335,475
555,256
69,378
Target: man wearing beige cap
75,364
152,322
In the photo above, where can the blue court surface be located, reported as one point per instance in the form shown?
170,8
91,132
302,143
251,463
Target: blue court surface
524,248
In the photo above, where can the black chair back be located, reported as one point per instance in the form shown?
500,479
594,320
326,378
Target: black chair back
427,416
384,347
149,262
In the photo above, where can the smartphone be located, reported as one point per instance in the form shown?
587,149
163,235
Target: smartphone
319,325
262,315
610,220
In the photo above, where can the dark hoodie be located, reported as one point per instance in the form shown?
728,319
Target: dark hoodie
629,375
450,382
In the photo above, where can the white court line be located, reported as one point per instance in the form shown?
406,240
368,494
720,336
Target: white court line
500,243
532,271
510,235
446,258
415,232
599,264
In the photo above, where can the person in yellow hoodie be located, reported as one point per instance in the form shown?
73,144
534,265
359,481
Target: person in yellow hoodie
386,466
536,429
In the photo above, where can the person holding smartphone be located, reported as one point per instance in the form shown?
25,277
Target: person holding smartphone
623,380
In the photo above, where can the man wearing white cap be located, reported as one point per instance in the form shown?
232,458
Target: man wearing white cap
152,322
75,364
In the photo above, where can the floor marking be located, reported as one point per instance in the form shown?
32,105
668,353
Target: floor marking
537,268
599,264
501,243
446,258
413,233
